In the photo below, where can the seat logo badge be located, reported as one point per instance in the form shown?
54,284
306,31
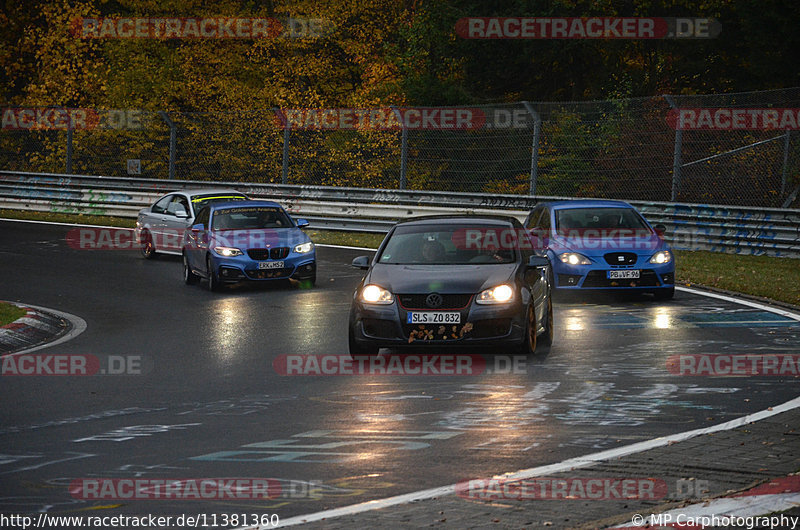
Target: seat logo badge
433,300
620,258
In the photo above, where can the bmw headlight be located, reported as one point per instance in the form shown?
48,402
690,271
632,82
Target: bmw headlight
373,294
496,295
573,258
228,252
304,248
661,257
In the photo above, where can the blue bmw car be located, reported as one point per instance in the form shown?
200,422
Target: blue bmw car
608,245
231,242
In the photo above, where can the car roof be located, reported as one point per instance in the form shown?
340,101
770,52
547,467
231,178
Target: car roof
458,218
244,204
209,191
586,203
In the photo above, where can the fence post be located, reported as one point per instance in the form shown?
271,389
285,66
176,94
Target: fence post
285,168
676,156
173,137
403,147
69,149
537,130
785,162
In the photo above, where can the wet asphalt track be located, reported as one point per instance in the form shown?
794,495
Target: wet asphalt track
211,405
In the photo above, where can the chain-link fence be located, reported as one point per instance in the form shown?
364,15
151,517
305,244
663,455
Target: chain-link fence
723,149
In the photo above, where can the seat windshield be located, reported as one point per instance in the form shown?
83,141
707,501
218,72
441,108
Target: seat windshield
599,219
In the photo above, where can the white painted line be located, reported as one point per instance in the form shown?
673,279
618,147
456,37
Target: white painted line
78,327
749,303
62,224
566,465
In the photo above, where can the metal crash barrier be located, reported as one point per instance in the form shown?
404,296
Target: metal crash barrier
717,228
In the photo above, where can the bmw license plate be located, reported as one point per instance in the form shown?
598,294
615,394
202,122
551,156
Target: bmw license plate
433,317
270,265
628,274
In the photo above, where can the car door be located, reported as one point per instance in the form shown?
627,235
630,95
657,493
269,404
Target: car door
196,240
175,225
157,219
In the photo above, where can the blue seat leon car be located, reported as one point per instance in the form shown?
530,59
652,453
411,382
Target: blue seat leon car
602,245
252,240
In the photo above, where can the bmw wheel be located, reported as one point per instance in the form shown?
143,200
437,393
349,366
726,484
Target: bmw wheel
189,277
211,274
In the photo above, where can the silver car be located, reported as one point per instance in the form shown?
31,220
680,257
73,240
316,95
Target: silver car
160,227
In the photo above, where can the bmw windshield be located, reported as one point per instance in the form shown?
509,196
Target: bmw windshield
251,218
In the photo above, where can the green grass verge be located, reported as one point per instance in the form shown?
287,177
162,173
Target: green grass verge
774,278
9,313
350,239
768,277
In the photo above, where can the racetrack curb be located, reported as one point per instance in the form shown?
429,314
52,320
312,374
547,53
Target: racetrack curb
743,457
36,328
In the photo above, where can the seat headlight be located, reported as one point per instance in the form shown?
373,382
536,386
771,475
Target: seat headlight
573,258
661,257
373,294
228,252
496,295
304,248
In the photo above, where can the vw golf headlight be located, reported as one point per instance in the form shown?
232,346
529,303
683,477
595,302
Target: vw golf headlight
228,252
304,248
661,257
496,295
373,294
573,258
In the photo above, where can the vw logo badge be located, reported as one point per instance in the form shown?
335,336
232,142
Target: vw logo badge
433,300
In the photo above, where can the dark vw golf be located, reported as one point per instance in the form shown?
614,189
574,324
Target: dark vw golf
452,280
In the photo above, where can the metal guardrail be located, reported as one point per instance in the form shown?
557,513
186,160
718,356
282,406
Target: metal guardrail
741,230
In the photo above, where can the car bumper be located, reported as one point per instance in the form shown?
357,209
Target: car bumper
587,277
386,325
243,268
